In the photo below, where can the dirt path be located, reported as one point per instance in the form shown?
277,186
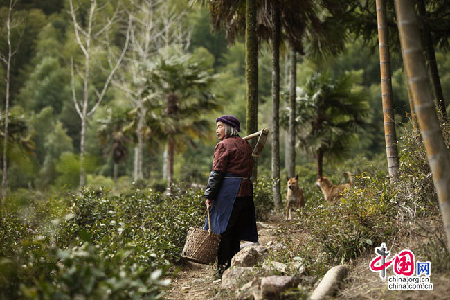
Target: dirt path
196,281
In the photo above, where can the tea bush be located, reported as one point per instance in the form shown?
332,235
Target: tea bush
95,245
154,224
83,273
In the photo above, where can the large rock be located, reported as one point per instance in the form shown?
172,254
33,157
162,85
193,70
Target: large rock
249,256
250,290
235,276
273,286
330,282
274,266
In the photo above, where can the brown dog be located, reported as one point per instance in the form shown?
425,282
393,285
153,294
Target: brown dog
333,192
294,196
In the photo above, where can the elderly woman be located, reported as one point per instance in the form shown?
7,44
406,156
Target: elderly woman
229,192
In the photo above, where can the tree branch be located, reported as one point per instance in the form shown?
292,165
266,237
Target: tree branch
111,74
74,97
77,29
108,25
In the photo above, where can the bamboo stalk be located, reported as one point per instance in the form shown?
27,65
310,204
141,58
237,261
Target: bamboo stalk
437,152
386,91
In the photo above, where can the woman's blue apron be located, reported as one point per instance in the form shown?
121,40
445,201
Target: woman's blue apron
222,208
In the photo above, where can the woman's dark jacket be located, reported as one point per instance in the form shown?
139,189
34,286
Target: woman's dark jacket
231,156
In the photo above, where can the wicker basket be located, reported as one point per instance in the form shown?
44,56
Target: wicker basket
201,245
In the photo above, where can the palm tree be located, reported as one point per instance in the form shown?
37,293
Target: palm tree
241,18
251,69
114,137
276,38
386,91
268,20
414,61
183,85
329,112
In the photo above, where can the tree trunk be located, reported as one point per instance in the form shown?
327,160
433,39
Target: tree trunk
276,36
286,133
82,148
166,162
84,115
251,73
386,91
320,163
140,145
84,108
135,163
171,155
84,42
414,61
431,59
116,172
292,113
5,129
411,105
286,149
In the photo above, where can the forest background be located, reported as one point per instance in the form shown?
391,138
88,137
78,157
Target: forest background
46,129
143,117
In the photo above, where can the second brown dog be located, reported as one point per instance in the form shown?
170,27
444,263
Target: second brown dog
330,191
294,196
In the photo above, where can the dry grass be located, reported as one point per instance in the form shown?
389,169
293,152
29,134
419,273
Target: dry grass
365,284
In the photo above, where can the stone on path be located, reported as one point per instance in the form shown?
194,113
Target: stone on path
330,282
249,256
273,286
234,276
250,290
274,266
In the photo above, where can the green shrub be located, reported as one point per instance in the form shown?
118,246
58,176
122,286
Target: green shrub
263,198
373,210
102,246
100,181
12,231
68,169
416,194
363,218
32,259
339,232
84,273
154,224
159,186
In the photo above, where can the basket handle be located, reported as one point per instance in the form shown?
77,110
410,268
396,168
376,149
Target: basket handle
209,220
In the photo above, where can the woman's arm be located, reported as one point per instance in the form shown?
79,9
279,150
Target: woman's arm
214,181
218,171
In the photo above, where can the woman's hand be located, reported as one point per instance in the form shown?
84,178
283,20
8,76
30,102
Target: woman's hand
208,203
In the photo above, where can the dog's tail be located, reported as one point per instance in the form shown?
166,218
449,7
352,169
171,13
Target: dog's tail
350,177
